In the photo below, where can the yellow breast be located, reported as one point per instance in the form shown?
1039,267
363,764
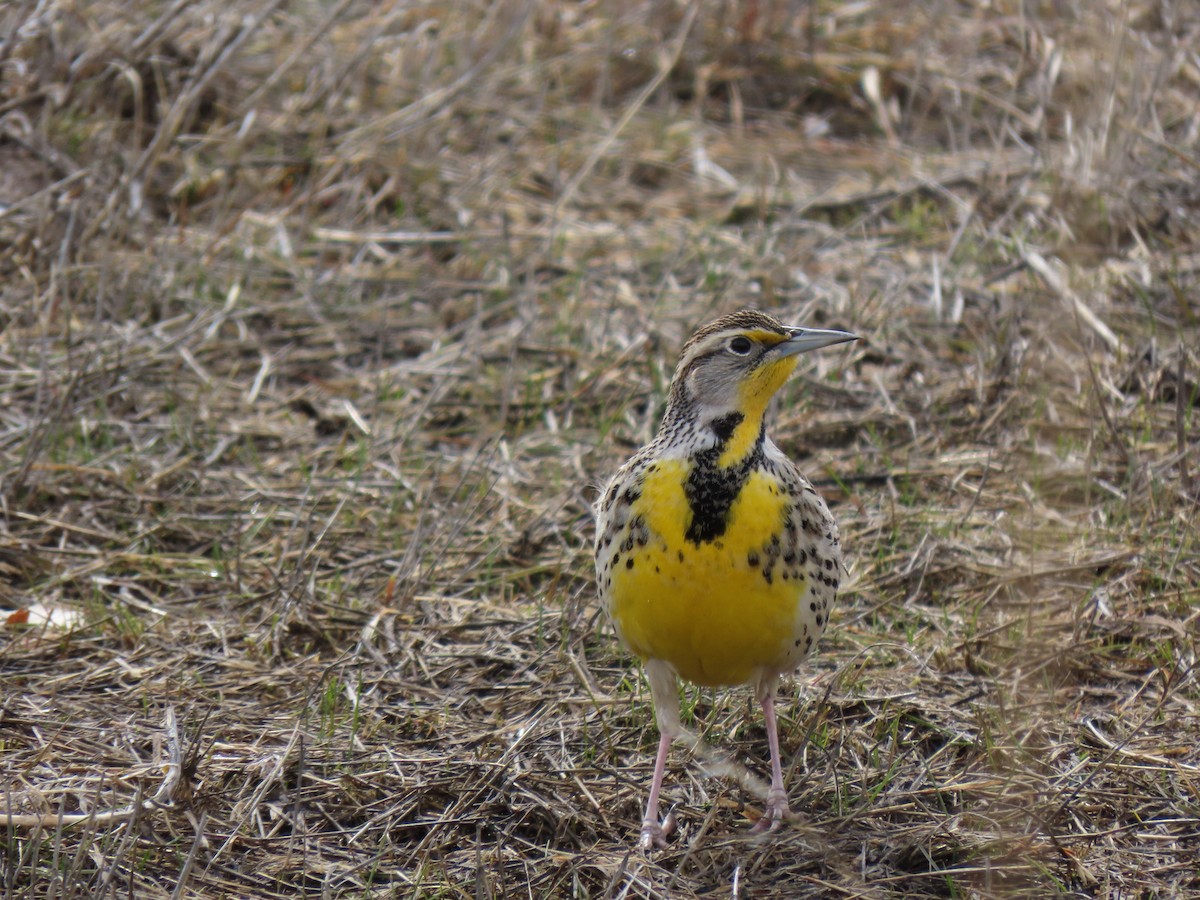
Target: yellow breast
719,611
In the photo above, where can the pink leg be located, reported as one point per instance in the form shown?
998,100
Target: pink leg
777,803
666,711
654,833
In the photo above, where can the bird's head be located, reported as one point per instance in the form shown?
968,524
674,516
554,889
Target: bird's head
731,368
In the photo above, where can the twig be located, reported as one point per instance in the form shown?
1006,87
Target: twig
300,51
174,119
1119,749
666,65
163,798
1055,282
721,765
1181,443
402,119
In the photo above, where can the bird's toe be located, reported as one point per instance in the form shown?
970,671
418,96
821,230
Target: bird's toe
775,813
654,834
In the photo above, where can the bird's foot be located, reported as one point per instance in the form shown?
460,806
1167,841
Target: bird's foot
655,834
774,814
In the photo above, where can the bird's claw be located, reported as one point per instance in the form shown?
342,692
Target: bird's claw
654,834
774,814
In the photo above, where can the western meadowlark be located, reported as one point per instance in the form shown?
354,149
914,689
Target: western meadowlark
716,559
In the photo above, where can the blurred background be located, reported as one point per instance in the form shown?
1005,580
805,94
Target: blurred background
320,323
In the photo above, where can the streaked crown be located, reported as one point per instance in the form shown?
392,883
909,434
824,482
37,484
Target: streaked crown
735,363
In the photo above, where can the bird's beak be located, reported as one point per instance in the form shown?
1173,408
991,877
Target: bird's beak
805,339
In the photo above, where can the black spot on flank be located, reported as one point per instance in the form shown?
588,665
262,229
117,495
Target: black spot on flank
829,564
629,563
784,574
610,496
789,557
639,530
799,641
616,557
820,621
752,559
801,556
681,556
627,544
724,427
768,576
813,606
657,570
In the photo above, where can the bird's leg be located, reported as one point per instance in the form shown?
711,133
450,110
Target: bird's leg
777,803
654,833
666,711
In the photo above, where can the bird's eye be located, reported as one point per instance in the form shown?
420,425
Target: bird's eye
740,345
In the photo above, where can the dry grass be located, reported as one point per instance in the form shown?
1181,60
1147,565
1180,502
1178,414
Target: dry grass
320,322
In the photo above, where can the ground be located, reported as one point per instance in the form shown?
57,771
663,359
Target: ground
321,323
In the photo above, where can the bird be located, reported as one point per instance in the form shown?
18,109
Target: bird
716,560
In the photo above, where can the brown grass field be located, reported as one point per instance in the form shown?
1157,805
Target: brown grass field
321,322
